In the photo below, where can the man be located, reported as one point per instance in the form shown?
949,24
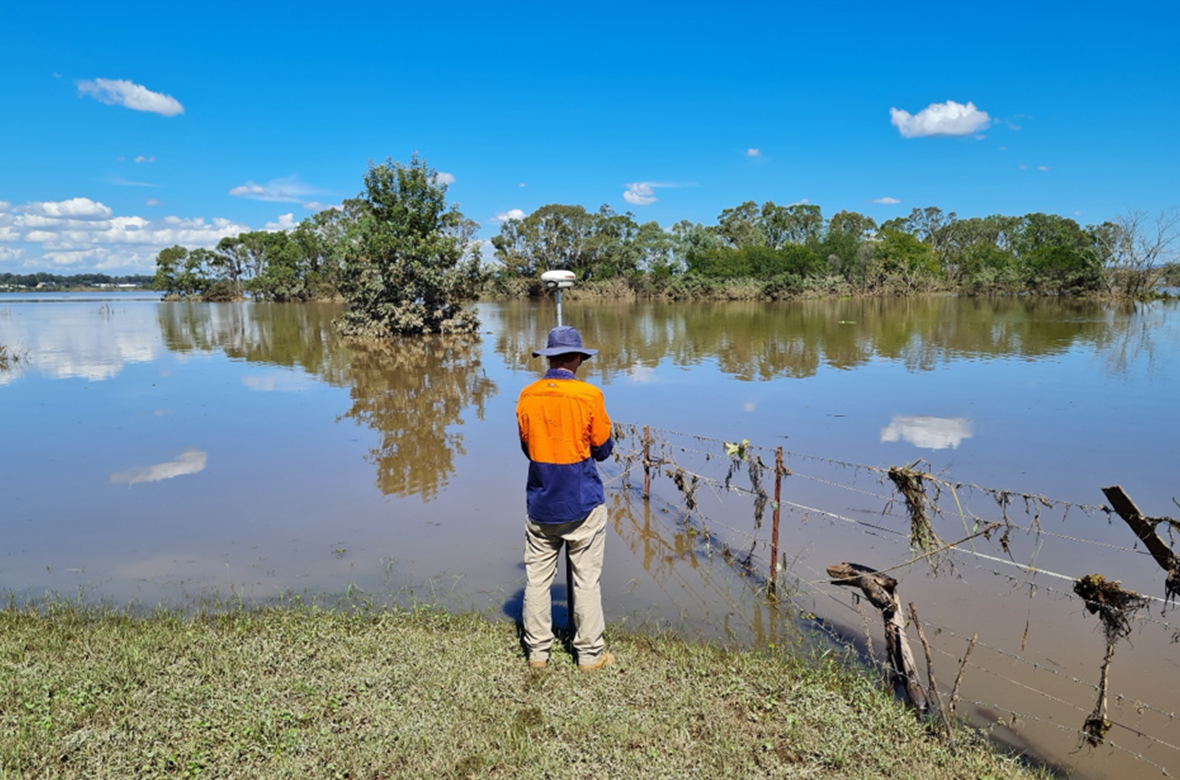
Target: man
563,430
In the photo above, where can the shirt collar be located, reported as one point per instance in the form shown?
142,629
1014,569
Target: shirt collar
560,373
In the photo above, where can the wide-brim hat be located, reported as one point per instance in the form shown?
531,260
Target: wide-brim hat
563,340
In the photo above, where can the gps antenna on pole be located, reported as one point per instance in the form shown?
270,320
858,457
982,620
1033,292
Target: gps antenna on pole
558,280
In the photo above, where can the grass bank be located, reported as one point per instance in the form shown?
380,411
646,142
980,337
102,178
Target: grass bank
307,693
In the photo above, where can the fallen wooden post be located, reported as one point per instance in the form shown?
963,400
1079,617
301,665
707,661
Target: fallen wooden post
1144,528
881,591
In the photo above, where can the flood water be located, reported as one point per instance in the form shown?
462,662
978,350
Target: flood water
162,452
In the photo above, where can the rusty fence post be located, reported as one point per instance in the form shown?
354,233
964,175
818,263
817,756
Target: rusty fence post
778,488
646,462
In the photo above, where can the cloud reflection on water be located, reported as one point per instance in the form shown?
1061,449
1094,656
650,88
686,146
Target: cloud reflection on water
928,433
191,461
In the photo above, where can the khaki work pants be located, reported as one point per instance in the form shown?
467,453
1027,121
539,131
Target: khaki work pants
543,542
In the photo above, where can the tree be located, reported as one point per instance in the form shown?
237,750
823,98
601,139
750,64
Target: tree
168,264
323,239
552,237
799,223
740,226
1135,250
181,272
409,269
906,259
691,241
612,247
841,246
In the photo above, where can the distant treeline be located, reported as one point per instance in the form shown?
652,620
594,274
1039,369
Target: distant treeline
753,251
56,281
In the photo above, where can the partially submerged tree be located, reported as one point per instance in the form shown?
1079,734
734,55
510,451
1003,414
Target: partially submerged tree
411,265
1135,250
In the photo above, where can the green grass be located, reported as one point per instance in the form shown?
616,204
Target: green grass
301,692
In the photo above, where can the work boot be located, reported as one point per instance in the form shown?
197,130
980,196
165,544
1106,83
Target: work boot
606,659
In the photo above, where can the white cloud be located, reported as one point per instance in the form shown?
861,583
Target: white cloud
949,118
1021,167
286,222
74,208
288,190
509,216
641,193
191,461
886,201
130,95
8,253
152,202
442,177
522,184
80,231
1042,167
142,159
800,202
928,433
753,152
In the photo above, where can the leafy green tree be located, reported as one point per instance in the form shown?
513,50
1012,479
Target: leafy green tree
323,240
691,241
657,252
168,263
552,237
1056,255
905,259
741,226
182,272
799,223
612,248
284,276
841,245
411,266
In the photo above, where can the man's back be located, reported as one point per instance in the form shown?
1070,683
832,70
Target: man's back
563,429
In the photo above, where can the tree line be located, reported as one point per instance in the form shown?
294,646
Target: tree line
406,261
9,281
788,250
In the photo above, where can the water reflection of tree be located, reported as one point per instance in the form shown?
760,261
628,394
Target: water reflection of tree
276,334
411,391
761,341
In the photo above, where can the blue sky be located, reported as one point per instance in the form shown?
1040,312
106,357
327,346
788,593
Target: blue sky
132,126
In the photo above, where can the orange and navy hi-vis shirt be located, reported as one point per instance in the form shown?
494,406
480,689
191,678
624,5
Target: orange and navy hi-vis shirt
563,429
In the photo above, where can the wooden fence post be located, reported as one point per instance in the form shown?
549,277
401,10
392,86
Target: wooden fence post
778,487
646,463
881,591
1144,528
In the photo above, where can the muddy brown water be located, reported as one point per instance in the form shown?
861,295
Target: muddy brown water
171,451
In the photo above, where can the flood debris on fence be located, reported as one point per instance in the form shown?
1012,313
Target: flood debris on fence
709,482
1115,607
909,482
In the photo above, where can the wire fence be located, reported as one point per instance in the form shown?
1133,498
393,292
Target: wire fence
1022,595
